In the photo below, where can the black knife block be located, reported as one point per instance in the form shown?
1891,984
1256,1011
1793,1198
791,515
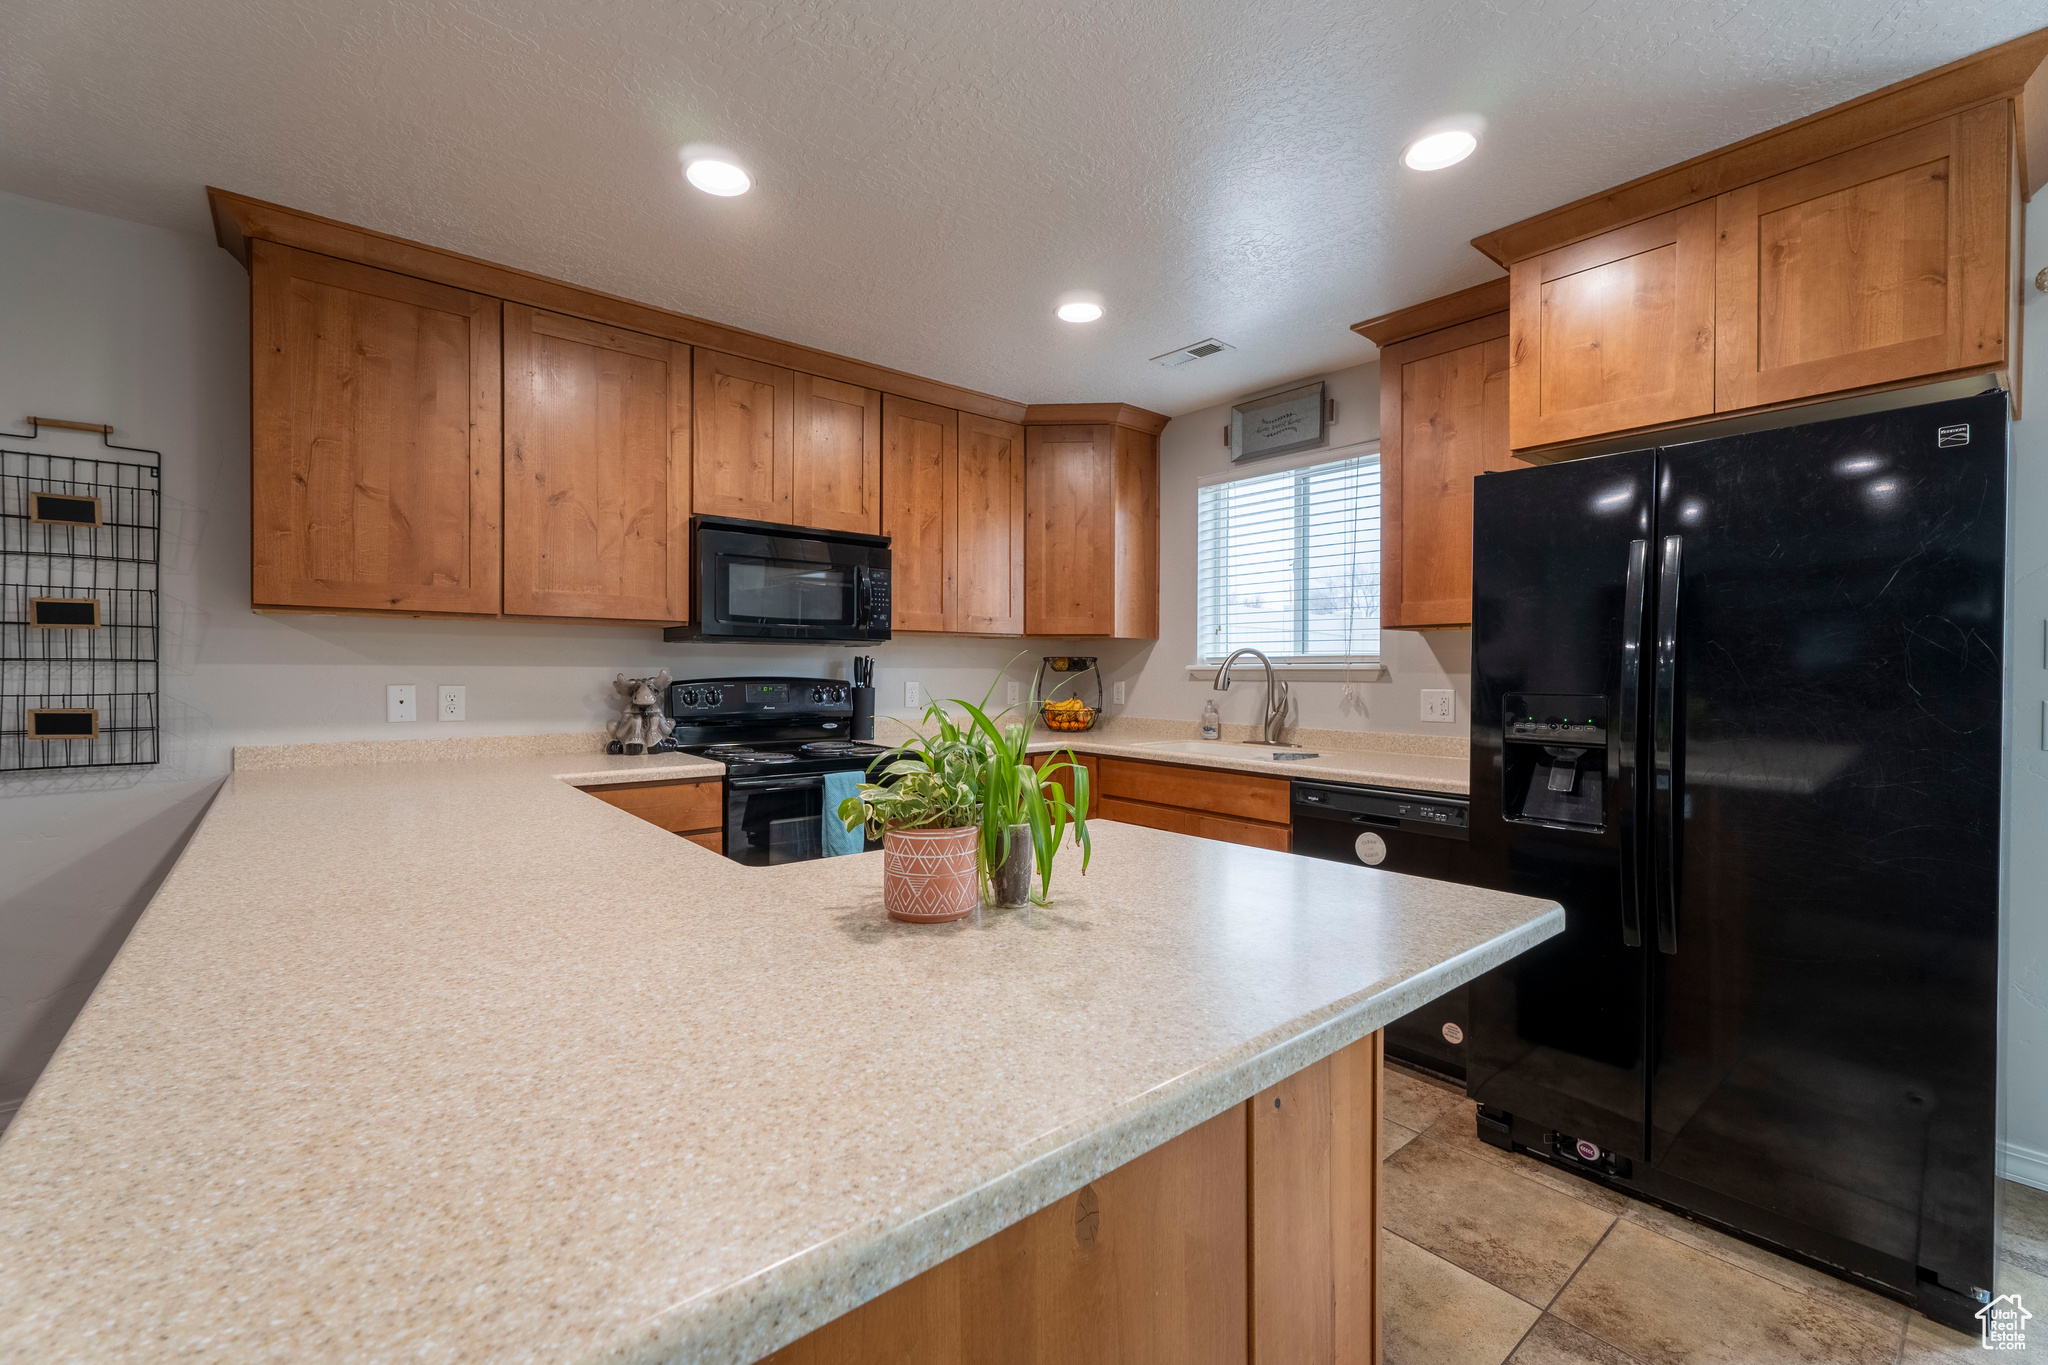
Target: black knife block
863,726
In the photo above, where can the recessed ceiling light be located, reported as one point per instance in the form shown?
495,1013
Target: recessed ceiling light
722,178
1434,151
1079,311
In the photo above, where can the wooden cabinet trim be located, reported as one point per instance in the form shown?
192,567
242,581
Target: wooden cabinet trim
1435,315
1090,414
239,221
582,540
283,529
1995,73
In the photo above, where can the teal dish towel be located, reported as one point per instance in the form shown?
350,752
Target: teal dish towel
838,838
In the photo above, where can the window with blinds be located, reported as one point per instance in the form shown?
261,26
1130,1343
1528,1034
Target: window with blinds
1289,563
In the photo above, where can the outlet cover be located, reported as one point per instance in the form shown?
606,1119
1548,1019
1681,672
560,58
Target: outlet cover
1116,694
1016,692
1439,704
454,702
911,694
401,702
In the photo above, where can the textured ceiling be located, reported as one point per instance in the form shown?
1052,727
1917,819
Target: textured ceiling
931,176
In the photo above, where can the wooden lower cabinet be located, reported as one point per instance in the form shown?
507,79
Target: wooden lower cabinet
1252,1238
1253,833
1089,764
695,810
1211,803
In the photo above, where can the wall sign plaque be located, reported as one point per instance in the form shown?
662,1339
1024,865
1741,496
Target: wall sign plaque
1278,423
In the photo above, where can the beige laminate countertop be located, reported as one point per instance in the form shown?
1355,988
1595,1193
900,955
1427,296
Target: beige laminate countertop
448,1061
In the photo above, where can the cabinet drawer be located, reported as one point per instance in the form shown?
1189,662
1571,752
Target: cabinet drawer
1197,789
677,806
713,839
1250,832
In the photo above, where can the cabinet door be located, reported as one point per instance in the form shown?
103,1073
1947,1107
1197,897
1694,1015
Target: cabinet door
745,457
920,443
597,470
988,529
1070,541
1443,422
838,470
374,439
1885,263
1613,333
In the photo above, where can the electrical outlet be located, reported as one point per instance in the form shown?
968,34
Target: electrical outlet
1016,692
1439,704
912,694
454,700
401,702
1116,694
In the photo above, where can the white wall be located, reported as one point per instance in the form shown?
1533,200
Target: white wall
107,321
2026,1014
1192,447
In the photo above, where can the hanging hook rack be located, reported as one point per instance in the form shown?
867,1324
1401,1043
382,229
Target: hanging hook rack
106,432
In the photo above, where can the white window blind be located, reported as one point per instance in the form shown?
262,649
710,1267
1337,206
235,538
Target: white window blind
1289,563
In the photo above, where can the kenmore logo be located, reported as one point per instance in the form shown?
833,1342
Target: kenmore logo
1958,435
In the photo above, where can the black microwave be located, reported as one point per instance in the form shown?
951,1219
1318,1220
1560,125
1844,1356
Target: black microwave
759,580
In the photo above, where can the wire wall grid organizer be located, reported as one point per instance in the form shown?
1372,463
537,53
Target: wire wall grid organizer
78,606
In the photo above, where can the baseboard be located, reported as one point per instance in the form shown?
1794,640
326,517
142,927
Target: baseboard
2023,1164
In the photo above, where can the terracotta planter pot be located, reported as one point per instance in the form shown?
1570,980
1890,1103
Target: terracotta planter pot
929,875
1010,874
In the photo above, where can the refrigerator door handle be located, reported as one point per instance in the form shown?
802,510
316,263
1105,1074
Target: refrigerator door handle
1627,740
1666,802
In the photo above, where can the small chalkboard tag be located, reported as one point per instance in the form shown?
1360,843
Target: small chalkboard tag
46,722
64,613
63,509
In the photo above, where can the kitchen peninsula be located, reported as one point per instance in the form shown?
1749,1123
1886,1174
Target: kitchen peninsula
448,1060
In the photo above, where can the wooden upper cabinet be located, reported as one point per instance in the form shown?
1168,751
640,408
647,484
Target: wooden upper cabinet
1886,263
838,467
920,446
374,440
745,456
1443,422
1615,332
988,529
597,470
1091,531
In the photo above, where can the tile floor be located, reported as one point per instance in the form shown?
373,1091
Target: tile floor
1492,1258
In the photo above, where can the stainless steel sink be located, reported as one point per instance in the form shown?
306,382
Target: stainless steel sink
1215,748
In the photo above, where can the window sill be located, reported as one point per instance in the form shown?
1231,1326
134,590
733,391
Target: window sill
1370,670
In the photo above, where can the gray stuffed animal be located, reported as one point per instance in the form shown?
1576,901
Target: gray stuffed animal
643,726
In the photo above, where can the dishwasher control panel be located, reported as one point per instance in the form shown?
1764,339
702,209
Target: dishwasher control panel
1448,816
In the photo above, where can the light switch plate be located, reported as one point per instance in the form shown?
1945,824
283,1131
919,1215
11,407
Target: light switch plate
1439,704
911,694
453,703
401,702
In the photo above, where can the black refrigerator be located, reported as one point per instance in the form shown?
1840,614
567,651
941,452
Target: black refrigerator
1738,706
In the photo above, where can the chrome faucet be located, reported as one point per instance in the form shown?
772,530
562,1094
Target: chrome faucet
1276,699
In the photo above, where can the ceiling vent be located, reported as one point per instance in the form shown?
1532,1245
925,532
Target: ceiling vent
1201,350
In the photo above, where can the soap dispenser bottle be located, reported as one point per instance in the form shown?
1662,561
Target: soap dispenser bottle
1212,724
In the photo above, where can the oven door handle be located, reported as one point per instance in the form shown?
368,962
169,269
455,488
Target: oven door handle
793,782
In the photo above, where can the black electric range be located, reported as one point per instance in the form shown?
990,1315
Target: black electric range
778,738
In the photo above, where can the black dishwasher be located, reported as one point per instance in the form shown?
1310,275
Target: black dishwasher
1423,834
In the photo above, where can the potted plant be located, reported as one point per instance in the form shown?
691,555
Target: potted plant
962,807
